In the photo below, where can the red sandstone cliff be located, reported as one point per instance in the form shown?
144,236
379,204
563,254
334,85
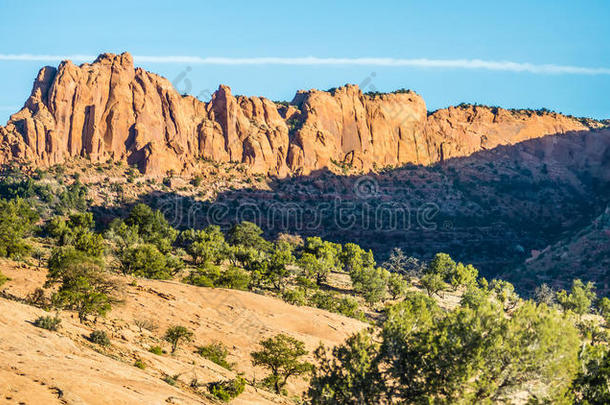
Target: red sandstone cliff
109,109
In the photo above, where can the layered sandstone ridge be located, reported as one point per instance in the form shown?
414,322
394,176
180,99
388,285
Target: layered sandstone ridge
109,109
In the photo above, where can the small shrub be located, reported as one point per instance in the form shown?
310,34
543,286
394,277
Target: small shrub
176,334
324,300
146,260
139,363
194,383
347,306
234,278
3,279
47,322
157,350
216,352
37,298
295,297
199,279
171,379
196,181
147,324
99,337
212,276
227,390
579,299
397,285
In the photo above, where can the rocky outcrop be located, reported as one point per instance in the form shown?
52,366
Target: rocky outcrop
463,130
345,126
109,109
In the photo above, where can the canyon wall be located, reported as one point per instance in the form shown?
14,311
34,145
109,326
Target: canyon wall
109,109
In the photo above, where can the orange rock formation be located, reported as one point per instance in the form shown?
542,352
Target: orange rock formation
109,109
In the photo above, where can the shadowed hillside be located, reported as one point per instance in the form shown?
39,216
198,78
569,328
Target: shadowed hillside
492,208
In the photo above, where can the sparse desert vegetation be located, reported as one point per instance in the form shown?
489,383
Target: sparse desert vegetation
408,317
344,247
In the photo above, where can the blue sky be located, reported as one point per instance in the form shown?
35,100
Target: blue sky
543,32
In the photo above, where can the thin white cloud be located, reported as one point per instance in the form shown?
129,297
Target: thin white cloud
28,57
477,64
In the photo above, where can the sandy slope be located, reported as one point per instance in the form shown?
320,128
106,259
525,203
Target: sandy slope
40,367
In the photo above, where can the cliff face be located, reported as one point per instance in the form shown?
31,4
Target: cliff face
463,130
347,127
109,109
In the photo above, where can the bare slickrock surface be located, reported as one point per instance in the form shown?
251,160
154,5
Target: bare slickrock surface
38,366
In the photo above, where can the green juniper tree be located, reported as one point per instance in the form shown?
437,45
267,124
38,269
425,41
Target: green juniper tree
277,266
592,385
207,245
146,260
349,374
579,299
476,353
281,354
433,283
16,222
84,286
175,335
247,234
397,285
152,227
